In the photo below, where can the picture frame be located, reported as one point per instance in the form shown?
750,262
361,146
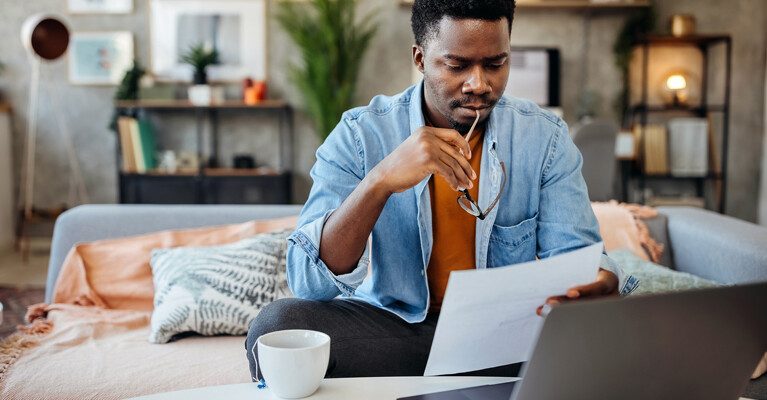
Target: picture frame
100,58
235,28
99,6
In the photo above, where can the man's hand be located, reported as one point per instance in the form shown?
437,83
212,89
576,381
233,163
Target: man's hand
605,285
427,151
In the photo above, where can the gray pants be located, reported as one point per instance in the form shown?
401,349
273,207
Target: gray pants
364,339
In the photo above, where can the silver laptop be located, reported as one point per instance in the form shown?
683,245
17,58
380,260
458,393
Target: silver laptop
700,344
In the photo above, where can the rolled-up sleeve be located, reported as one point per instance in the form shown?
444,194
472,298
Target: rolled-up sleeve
566,220
337,172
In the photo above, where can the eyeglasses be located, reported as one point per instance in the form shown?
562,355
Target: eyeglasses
471,206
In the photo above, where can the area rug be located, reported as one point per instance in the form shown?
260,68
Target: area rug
15,302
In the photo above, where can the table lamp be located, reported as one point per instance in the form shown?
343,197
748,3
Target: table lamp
677,84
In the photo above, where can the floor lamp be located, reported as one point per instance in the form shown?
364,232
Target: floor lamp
45,38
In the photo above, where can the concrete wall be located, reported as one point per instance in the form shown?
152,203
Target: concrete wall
386,70
763,195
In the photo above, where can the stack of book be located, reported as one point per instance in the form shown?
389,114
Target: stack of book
655,149
137,142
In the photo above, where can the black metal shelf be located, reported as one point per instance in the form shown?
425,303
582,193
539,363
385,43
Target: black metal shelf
692,109
714,176
209,184
643,109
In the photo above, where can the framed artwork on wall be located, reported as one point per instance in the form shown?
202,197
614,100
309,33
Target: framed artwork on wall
236,29
100,6
100,58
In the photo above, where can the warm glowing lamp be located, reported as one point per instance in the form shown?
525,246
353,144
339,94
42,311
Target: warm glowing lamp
676,84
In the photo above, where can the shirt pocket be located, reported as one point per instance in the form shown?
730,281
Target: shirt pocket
513,244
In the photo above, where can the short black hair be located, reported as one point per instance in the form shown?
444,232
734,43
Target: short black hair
428,13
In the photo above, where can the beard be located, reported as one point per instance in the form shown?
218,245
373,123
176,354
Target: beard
462,128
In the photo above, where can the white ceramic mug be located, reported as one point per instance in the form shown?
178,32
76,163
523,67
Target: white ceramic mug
293,362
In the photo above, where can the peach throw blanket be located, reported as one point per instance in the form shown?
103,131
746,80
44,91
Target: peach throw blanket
621,226
115,273
93,353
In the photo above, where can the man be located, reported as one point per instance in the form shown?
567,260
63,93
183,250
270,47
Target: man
384,224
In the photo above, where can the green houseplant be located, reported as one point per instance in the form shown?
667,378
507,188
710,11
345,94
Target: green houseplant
332,47
200,57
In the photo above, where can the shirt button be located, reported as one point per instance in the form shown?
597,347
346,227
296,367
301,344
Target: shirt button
422,272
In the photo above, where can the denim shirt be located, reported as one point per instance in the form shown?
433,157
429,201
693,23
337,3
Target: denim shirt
544,209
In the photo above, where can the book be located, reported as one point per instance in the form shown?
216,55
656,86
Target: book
655,150
126,145
137,147
148,144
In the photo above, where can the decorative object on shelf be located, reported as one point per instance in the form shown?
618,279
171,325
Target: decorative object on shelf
688,146
129,85
128,90
244,161
333,43
236,29
100,6
640,23
200,57
100,58
187,161
682,25
148,89
248,92
167,162
676,85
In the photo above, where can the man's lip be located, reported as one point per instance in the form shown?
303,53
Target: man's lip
475,107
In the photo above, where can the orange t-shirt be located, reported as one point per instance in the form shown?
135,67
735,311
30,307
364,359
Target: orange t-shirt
453,229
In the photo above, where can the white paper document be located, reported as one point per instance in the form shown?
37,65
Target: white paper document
488,316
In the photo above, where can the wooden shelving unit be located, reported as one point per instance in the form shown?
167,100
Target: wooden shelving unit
209,183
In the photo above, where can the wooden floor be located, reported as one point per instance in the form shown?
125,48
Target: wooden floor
14,272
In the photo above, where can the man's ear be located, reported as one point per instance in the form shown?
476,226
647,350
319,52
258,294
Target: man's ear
418,57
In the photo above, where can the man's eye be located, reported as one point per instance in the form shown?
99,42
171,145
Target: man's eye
495,66
454,67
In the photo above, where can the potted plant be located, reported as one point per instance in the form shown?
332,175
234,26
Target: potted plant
332,46
200,57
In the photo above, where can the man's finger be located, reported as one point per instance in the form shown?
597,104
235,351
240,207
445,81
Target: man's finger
457,171
594,288
446,171
465,166
454,138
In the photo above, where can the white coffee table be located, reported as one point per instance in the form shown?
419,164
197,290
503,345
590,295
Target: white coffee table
384,388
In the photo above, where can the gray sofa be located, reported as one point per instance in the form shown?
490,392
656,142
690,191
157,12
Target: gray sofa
703,243
699,242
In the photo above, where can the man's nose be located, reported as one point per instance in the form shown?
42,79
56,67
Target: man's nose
477,82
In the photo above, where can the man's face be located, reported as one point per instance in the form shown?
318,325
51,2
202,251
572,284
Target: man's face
465,67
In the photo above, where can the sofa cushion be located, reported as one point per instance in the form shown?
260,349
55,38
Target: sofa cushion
658,228
217,290
656,278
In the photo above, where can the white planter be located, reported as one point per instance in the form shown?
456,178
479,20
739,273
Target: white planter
203,95
200,95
